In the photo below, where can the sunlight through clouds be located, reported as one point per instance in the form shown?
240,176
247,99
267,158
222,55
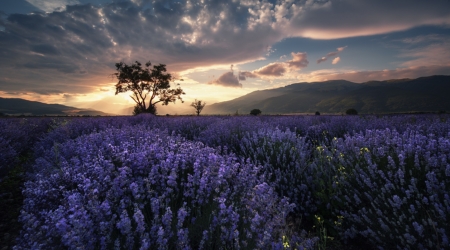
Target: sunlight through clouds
71,47
52,5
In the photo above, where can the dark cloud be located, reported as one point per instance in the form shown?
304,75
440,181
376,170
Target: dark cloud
44,49
227,79
56,47
46,91
11,6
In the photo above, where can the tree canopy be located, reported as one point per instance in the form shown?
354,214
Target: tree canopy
198,105
146,82
255,112
351,112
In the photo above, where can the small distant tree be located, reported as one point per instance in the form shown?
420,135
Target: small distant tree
351,112
255,112
146,82
198,105
317,113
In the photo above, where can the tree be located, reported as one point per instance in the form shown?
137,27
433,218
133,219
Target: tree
351,112
255,112
317,113
146,82
198,105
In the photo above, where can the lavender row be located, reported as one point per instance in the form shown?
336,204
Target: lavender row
392,189
138,188
17,136
380,188
354,178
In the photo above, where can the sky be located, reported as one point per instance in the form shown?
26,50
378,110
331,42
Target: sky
64,51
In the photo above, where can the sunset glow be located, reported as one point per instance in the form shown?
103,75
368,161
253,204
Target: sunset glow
64,51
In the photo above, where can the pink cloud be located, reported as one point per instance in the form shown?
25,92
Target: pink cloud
244,74
273,69
331,54
364,76
351,18
276,69
434,54
336,60
299,61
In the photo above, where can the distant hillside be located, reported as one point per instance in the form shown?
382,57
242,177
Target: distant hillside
425,94
17,106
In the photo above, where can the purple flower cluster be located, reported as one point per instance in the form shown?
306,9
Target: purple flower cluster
152,182
137,187
394,188
17,137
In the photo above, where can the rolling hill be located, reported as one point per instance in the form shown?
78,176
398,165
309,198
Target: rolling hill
425,94
17,106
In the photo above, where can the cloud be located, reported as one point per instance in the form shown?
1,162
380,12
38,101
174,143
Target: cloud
331,54
52,5
299,61
246,74
336,60
351,18
435,52
422,39
364,76
278,69
227,79
68,50
273,69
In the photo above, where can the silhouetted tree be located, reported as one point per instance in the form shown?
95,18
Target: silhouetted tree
146,82
198,105
351,112
317,113
255,112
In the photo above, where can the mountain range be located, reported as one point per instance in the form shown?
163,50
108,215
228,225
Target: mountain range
17,106
424,94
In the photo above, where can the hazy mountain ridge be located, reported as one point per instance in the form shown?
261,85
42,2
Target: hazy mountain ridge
17,106
424,94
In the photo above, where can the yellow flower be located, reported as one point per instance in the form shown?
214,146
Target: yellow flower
285,242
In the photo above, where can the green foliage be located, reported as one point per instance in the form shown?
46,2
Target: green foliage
145,82
351,112
255,112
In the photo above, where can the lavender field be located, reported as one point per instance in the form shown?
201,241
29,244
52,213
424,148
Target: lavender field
230,182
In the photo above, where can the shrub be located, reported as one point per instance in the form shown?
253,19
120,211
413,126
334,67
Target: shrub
255,112
138,188
351,112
